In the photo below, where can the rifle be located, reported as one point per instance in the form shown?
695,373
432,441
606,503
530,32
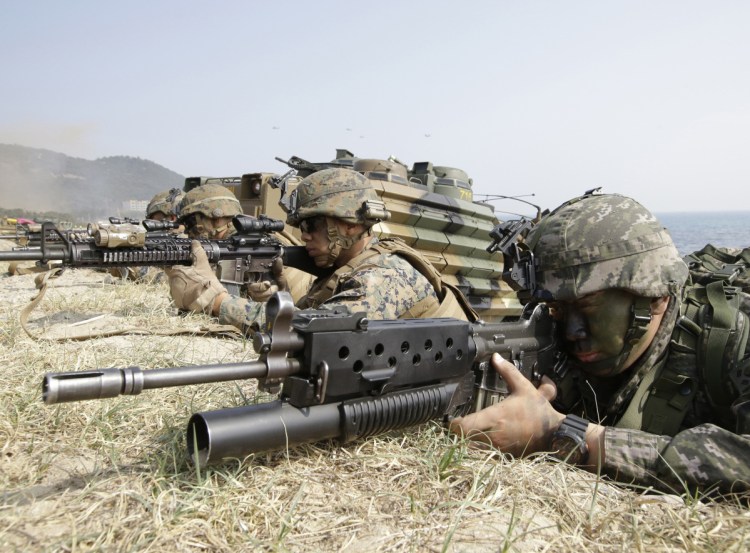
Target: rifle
31,235
339,375
246,256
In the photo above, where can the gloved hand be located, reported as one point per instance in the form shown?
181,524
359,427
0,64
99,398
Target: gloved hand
262,291
194,288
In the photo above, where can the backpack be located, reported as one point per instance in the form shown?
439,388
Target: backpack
709,344
726,264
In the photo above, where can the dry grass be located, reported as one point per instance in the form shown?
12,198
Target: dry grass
112,475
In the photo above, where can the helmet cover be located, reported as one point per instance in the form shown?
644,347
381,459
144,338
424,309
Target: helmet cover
167,202
340,193
210,200
603,241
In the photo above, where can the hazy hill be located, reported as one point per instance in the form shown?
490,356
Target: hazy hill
42,180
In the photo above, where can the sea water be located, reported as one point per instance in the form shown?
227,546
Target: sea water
693,230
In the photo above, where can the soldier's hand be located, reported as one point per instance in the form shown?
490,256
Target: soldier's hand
262,291
279,274
194,288
520,424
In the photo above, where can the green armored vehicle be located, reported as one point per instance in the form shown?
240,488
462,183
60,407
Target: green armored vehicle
432,210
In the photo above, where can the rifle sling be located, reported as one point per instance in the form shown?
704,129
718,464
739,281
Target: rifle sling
42,282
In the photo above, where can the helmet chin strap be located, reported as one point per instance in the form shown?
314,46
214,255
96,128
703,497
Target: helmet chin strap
639,321
338,242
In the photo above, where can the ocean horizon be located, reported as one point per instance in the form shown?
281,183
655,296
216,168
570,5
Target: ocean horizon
692,230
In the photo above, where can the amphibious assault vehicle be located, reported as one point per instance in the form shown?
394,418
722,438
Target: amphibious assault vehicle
432,210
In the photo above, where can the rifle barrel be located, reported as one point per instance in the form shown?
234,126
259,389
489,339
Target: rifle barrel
31,255
101,383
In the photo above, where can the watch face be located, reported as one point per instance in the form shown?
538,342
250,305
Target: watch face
569,445
566,448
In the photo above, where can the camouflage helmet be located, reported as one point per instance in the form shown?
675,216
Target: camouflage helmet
167,202
597,242
340,193
210,200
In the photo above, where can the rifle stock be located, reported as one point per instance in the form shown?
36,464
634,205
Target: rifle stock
340,375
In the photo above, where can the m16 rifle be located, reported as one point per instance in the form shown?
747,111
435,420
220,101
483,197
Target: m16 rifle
246,256
339,375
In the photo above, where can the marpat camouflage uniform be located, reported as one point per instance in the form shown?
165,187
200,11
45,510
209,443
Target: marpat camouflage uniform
386,287
387,280
600,242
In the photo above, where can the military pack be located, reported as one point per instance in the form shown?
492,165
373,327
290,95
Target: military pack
709,344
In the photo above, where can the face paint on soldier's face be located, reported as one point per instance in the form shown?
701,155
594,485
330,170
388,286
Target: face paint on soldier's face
595,326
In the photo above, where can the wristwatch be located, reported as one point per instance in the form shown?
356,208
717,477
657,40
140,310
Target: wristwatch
569,441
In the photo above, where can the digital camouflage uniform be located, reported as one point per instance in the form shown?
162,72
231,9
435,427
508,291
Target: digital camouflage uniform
668,418
387,280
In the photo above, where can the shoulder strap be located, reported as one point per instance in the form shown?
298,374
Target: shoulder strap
662,399
98,327
710,338
633,415
727,322
322,290
452,301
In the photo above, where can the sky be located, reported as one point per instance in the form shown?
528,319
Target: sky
650,99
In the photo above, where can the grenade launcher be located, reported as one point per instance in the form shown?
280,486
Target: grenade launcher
339,375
